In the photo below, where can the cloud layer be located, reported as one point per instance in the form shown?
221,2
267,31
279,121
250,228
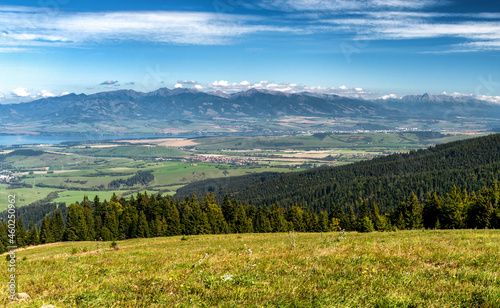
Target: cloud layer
26,27
232,87
37,27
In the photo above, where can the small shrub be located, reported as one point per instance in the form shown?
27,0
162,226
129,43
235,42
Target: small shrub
114,245
74,250
184,238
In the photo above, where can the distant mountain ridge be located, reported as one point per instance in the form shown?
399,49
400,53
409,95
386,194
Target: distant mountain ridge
181,104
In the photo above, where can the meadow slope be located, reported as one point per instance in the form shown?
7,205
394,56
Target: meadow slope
420,268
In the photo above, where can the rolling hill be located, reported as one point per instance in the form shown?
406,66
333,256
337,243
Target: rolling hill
469,164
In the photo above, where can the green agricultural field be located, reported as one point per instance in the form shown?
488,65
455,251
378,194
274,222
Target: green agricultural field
24,196
446,268
71,196
130,151
359,142
57,162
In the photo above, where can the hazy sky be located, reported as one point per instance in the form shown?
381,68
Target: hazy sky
367,48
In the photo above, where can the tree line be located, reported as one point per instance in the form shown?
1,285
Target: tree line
146,216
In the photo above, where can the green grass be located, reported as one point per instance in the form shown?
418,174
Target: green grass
452,268
131,151
72,196
24,196
356,142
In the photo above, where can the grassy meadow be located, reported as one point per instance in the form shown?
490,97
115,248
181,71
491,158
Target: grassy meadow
445,268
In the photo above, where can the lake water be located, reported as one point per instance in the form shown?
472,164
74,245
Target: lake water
8,140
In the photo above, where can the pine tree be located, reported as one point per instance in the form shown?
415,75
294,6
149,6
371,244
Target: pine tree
173,220
377,220
88,213
21,236
98,209
323,222
76,227
295,215
203,226
278,221
46,235
452,210
57,226
366,225
32,234
430,212
143,227
337,213
413,213
261,221
215,217
351,220
240,219
480,212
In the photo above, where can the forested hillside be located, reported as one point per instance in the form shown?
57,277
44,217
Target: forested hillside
153,216
469,164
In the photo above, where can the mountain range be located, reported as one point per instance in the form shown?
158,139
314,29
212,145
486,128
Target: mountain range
189,104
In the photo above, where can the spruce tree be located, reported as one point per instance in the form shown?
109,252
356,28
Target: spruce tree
57,226
295,215
173,220
32,234
76,227
215,218
430,212
143,227
46,235
88,213
323,222
278,221
413,213
21,236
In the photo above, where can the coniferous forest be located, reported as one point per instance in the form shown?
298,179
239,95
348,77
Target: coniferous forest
153,215
450,186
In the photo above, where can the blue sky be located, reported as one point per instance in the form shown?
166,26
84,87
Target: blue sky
359,48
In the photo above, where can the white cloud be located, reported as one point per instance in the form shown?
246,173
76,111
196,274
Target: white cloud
187,82
396,25
222,83
344,5
486,98
178,86
23,94
20,92
45,93
11,49
228,87
388,96
37,28
198,87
